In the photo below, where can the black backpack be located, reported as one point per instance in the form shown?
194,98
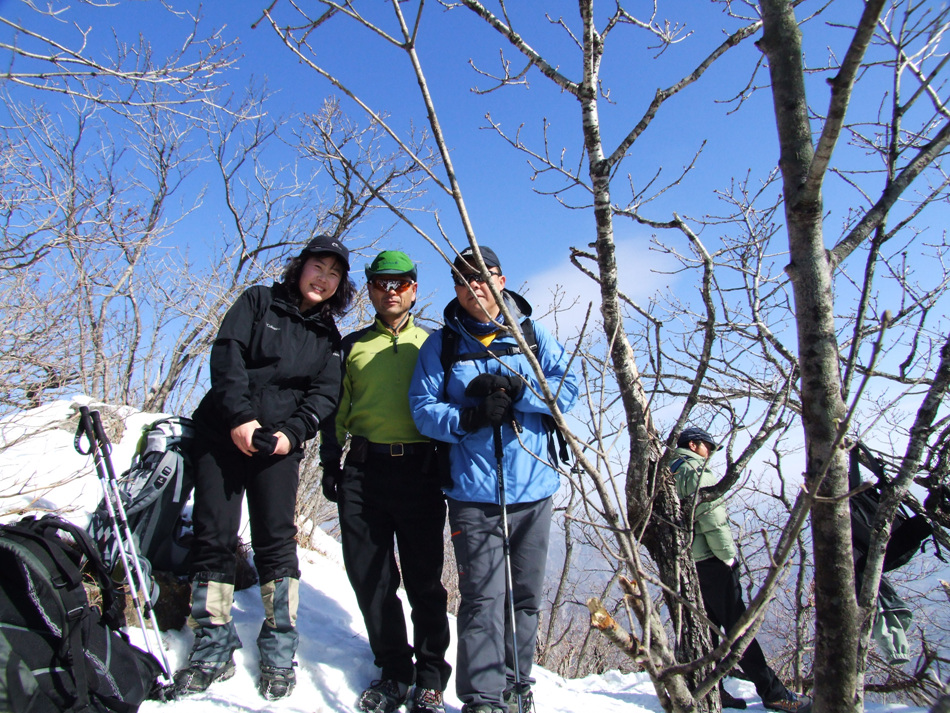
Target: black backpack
154,491
908,532
56,652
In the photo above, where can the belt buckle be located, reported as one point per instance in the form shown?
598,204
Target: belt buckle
397,449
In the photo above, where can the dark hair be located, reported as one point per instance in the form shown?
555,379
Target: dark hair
337,304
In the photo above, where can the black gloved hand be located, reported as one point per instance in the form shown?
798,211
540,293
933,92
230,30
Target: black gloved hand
493,410
485,384
264,441
332,475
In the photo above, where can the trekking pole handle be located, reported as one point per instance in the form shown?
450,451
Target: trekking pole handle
85,428
101,436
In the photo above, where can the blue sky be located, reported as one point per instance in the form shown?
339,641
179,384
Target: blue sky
529,230
531,233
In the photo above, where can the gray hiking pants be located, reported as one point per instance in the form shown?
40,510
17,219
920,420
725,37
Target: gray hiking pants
485,667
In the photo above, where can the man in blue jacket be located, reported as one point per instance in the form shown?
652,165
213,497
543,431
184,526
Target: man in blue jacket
483,383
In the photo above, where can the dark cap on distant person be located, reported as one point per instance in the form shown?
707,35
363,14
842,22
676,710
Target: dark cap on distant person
327,244
466,259
694,433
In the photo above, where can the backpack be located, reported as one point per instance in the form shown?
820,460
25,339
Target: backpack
57,653
154,491
557,444
908,532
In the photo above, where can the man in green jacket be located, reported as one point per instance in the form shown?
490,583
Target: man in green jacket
388,494
714,553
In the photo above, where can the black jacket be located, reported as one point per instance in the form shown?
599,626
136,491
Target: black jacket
271,363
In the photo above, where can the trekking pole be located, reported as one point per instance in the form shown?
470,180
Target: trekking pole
506,550
90,425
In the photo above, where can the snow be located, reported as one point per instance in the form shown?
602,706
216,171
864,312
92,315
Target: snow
37,457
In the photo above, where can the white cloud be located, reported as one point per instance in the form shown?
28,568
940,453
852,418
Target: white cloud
642,273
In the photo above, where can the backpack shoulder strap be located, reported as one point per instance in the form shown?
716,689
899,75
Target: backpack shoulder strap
352,338
450,342
55,581
450,347
527,330
111,604
676,463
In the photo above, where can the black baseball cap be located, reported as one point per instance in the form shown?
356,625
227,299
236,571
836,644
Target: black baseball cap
321,244
694,433
466,259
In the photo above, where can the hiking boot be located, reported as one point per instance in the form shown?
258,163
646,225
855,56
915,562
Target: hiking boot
527,701
790,703
276,682
427,700
481,708
730,701
198,675
383,696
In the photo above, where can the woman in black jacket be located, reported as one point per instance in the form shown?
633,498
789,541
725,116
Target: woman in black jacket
275,375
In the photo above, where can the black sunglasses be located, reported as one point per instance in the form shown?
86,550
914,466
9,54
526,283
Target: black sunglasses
472,277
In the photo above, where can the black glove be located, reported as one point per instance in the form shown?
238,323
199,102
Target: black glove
332,474
494,410
485,384
264,441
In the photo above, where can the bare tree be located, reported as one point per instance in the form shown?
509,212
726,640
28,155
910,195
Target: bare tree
117,258
758,347
49,51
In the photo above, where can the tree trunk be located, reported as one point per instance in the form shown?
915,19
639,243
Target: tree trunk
647,494
837,625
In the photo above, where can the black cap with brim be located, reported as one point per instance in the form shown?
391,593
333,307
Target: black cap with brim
327,244
694,433
466,258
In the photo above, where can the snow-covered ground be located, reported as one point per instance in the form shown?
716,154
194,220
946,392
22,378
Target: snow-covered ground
335,662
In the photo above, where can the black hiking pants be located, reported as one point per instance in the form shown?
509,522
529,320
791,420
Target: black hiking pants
722,598
385,502
223,476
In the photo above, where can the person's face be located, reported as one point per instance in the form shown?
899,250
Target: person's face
478,300
392,296
319,279
700,448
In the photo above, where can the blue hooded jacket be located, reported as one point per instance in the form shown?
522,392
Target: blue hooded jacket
436,411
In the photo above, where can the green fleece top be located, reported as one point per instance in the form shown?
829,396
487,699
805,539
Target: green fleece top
712,536
375,400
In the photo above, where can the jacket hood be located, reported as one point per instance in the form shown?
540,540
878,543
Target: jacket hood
516,304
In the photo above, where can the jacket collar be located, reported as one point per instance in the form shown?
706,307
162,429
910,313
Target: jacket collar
283,299
380,326
516,304
685,452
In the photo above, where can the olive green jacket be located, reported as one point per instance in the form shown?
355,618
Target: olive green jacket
712,536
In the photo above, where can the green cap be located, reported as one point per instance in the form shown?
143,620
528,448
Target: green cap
391,262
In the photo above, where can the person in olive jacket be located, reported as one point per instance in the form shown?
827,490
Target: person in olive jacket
275,375
714,554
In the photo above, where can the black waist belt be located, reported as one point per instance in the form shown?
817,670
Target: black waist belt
398,449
